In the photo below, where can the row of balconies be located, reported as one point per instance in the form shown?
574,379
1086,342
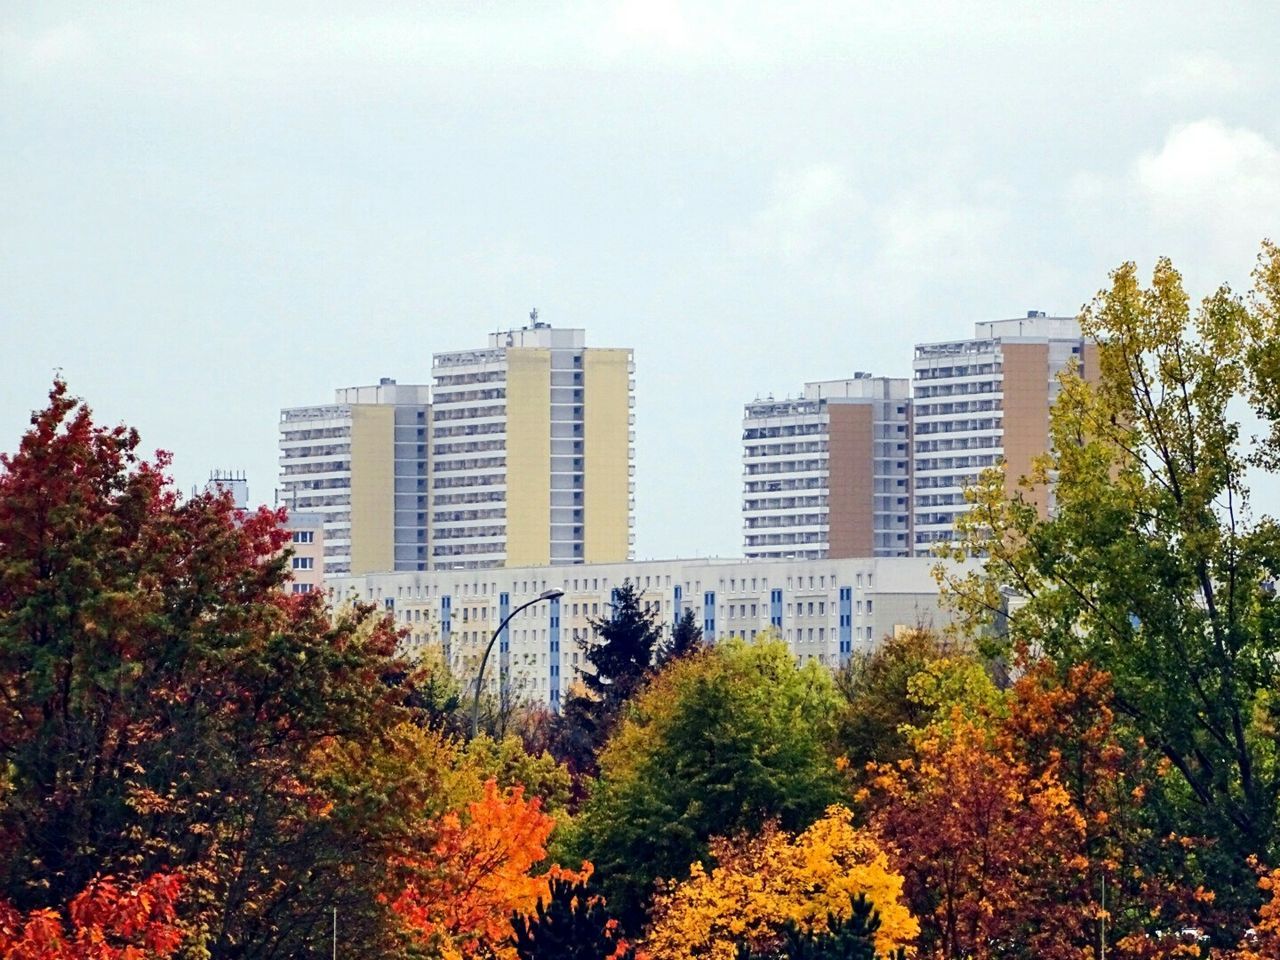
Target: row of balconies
470,463
788,430
952,463
964,443
789,520
960,389
467,446
448,397
784,503
439,415
967,425
789,466
757,450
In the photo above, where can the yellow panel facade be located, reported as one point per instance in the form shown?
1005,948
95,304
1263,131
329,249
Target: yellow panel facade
528,456
606,455
372,488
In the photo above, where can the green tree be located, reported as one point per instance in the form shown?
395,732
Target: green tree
621,650
849,937
685,639
1155,567
877,702
716,744
571,925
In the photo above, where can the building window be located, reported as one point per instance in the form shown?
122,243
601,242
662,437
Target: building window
303,536
303,563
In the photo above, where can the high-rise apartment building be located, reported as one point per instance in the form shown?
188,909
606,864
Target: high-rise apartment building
984,401
531,451
361,464
827,474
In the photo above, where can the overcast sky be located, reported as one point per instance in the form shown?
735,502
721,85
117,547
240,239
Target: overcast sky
211,211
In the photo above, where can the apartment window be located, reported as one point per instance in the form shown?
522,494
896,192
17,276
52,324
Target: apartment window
303,587
303,536
303,563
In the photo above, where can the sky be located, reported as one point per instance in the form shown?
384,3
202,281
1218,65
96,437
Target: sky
212,211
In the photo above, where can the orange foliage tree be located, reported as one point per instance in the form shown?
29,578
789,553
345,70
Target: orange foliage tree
459,896
775,878
107,922
1009,822
992,852
1262,942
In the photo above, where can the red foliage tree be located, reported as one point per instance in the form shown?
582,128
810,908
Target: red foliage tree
104,922
162,695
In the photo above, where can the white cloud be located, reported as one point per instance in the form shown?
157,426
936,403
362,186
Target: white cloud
1207,197
1219,183
1207,168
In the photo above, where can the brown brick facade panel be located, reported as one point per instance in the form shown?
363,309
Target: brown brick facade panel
1026,414
1092,372
850,453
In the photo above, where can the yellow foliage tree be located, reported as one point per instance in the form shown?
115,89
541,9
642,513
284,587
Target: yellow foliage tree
763,882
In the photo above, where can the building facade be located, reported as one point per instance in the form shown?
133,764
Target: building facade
826,610
531,452
981,402
361,465
828,474
306,551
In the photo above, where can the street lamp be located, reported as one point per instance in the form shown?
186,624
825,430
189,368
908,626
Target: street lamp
553,594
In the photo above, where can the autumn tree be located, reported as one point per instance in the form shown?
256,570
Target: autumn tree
460,895
776,892
991,851
1155,566
166,699
716,743
877,704
105,921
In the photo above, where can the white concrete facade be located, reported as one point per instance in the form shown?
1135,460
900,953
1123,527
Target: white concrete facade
826,610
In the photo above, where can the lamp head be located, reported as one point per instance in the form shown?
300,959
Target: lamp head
552,594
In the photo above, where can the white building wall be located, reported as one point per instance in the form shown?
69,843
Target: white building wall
826,610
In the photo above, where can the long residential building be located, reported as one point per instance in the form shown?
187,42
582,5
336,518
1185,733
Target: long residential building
826,610
827,474
360,464
532,451
984,401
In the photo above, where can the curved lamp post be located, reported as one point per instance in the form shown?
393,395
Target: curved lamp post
551,594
